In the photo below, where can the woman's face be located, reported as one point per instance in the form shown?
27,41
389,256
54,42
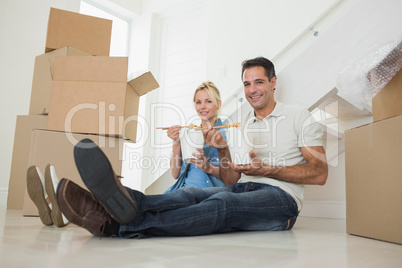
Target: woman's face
204,106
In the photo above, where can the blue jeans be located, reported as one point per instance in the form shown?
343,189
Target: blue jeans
191,211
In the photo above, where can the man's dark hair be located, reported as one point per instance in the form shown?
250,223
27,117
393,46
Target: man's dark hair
259,62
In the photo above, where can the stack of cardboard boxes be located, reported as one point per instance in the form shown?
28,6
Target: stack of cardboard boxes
373,155
78,92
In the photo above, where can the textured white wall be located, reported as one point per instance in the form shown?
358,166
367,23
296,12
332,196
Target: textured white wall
240,30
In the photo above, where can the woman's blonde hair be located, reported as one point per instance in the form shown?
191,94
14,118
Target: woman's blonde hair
212,91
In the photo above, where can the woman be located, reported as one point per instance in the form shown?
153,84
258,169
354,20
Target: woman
202,172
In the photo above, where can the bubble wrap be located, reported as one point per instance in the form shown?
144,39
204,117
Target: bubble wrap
364,77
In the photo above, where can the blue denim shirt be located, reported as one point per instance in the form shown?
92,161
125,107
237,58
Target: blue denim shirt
191,175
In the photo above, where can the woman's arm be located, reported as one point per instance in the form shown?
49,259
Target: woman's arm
176,160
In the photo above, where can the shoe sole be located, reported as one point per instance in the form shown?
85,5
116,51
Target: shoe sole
98,176
56,213
37,195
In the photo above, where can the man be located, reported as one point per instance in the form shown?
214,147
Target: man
266,194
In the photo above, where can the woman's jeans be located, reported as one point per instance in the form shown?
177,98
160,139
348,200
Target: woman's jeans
191,211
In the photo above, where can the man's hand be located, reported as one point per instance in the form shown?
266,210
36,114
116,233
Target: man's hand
255,168
313,172
214,138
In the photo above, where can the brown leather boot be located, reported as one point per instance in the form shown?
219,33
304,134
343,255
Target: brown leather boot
80,208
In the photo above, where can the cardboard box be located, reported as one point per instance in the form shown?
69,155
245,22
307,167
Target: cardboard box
91,95
19,163
388,102
57,148
43,78
374,180
86,33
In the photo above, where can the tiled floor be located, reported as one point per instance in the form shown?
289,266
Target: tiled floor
313,242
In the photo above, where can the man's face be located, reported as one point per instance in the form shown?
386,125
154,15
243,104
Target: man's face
258,89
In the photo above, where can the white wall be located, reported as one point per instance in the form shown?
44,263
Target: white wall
253,28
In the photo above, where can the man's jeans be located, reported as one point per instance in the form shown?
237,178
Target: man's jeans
192,211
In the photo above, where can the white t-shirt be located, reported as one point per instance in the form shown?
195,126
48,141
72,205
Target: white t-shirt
277,139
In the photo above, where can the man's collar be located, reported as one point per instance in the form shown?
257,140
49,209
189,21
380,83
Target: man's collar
277,111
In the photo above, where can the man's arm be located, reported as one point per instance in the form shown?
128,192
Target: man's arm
227,174
213,138
314,171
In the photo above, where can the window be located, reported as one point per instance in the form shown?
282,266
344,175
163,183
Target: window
119,47
120,28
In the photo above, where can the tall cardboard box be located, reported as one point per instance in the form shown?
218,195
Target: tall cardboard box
86,33
43,78
91,95
388,102
19,162
57,148
374,180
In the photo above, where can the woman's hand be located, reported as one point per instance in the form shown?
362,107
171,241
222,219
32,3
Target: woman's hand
201,161
174,133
